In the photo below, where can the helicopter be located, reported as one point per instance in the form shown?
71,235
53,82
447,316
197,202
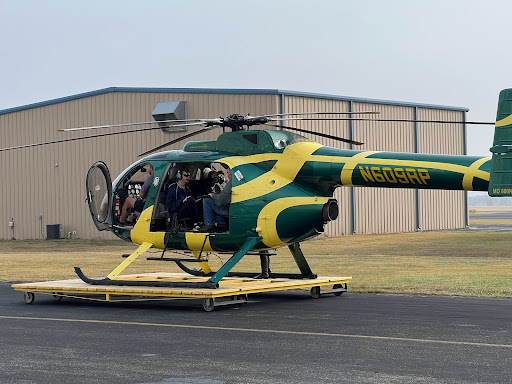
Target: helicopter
282,187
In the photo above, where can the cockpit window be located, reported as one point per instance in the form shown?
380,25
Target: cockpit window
251,137
282,139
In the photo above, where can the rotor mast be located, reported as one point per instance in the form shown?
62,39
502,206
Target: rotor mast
237,122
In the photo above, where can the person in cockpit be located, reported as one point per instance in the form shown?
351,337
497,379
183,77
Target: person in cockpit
180,201
206,185
215,208
137,204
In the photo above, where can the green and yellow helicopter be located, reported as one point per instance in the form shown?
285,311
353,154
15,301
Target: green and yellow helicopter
282,189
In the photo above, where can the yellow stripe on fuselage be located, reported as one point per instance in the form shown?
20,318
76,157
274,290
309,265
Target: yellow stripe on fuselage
284,172
141,233
195,241
462,169
467,182
267,219
350,165
290,162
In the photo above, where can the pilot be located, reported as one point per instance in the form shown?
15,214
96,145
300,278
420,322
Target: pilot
137,204
215,207
180,200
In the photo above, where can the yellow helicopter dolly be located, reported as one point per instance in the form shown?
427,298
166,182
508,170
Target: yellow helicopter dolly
282,188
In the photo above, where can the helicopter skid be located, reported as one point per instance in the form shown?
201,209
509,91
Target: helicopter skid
231,291
145,283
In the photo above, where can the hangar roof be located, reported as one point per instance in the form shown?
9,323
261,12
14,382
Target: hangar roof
225,91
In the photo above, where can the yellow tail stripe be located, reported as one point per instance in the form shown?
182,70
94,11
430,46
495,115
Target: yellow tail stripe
348,168
506,121
467,182
462,169
289,164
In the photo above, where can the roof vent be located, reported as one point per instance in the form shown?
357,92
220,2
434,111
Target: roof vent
171,110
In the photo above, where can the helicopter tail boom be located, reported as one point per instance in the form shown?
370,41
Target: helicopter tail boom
412,170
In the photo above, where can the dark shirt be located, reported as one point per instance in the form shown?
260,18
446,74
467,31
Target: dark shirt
175,197
203,187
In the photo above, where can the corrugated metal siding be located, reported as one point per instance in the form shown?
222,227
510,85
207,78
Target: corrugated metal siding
34,186
296,104
441,209
380,210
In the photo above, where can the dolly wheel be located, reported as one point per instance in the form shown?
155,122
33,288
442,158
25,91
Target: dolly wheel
315,292
57,296
29,297
209,304
337,286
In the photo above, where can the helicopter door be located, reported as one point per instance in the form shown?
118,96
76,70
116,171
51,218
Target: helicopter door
99,195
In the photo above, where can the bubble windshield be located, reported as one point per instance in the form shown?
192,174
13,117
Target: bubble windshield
282,139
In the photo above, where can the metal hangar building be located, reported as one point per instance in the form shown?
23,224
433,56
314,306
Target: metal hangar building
45,185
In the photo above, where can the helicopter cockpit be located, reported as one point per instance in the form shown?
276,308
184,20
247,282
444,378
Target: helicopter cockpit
282,139
131,193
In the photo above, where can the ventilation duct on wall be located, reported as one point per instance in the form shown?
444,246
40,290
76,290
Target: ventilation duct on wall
170,110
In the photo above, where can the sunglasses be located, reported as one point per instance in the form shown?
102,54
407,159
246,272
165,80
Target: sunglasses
186,174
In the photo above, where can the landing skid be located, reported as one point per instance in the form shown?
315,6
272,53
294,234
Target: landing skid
212,283
297,254
250,275
146,283
214,277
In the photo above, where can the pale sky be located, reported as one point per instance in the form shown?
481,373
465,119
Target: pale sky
453,53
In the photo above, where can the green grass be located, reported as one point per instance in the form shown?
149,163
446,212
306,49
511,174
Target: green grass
440,263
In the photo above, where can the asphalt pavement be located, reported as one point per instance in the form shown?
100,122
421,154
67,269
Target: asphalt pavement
490,216
286,337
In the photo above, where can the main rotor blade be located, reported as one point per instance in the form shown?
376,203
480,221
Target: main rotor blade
322,113
383,120
177,140
318,134
76,138
185,125
125,125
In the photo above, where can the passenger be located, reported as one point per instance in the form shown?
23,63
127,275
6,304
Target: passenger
180,200
206,184
215,208
137,204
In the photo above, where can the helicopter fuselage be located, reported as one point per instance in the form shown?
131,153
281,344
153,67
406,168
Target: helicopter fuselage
282,186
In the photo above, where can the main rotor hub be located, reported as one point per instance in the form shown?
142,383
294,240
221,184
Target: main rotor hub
237,122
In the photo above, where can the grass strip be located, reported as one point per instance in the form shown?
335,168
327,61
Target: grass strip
434,263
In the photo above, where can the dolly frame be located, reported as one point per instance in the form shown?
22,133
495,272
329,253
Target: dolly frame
232,290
